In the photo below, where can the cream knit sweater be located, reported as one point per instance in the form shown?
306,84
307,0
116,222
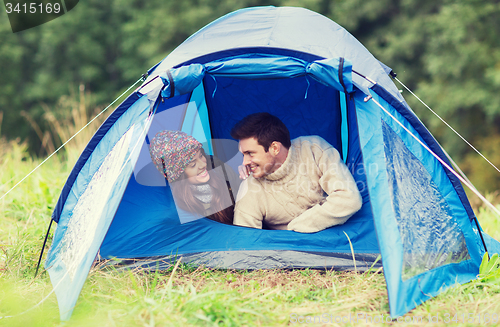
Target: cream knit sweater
293,197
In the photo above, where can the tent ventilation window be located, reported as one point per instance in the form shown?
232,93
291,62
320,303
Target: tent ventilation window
429,233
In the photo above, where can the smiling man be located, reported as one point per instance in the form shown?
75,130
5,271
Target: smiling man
300,185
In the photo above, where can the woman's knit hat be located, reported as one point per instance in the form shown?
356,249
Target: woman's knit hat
172,151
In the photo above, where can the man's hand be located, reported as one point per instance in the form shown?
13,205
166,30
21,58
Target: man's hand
314,219
244,171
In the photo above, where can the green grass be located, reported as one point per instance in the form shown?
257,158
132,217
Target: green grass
185,295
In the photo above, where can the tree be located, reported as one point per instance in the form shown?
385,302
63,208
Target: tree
448,53
106,46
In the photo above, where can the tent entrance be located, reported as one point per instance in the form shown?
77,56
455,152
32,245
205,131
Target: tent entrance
147,216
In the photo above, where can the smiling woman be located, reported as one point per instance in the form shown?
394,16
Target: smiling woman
198,182
196,171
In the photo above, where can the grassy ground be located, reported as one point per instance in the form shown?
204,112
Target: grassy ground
195,296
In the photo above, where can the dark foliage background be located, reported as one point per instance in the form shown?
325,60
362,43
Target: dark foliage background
447,51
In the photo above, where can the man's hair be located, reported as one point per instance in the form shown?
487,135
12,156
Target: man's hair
263,126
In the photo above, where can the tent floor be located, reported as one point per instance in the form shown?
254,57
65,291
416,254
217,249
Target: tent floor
253,260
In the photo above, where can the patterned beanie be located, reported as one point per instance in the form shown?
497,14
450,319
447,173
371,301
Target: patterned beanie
172,151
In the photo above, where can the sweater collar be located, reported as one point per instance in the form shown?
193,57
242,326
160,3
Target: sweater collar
285,169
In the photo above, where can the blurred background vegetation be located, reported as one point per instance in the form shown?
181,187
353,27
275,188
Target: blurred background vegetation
446,51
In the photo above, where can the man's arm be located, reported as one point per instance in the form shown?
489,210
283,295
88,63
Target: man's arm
343,198
248,212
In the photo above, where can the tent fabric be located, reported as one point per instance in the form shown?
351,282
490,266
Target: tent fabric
261,259
297,30
318,79
331,72
91,146
90,207
429,140
405,238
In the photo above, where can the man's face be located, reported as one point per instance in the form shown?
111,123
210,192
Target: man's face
259,162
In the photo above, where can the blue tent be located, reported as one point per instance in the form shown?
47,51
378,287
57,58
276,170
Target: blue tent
316,77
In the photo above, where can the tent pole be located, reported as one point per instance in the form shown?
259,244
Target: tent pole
482,239
43,247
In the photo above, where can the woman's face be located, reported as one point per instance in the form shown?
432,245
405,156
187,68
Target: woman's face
196,171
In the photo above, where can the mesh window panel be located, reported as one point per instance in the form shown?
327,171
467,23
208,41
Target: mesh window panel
87,212
430,235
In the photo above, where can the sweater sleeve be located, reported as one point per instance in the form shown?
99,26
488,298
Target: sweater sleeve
343,198
248,211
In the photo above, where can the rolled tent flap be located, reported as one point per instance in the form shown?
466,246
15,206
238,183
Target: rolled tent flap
258,67
181,80
333,72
